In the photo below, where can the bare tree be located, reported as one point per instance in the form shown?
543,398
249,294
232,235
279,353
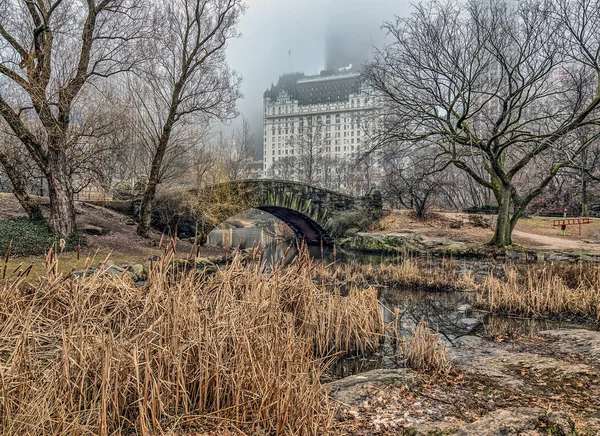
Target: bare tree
187,79
498,89
240,152
11,160
49,50
285,168
414,179
309,145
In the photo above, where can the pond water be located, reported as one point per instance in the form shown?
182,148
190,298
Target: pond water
275,249
450,313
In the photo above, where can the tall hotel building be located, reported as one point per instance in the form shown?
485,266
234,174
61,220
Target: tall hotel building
334,104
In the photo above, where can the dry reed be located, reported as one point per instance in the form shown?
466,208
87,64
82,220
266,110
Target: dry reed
423,351
410,273
240,349
567,291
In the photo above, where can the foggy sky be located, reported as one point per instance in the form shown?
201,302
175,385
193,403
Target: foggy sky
272,28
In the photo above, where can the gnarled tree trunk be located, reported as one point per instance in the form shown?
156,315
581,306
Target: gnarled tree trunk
62,210
20,188
504,224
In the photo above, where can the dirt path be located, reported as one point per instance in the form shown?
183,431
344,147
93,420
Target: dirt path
459,230
555,243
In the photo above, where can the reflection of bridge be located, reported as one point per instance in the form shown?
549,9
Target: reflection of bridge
314,214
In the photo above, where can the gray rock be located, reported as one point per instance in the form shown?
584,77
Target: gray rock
113,270
353,390
578,342
471,322
523,421
498,360
137,272
469,342
559,257
464,308
92,230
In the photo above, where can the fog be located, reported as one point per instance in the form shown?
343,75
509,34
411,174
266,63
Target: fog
282,36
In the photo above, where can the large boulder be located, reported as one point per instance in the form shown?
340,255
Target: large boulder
353,390
522,421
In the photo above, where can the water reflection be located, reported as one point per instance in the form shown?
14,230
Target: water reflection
275,249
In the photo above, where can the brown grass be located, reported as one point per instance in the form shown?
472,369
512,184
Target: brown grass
409,273
423,351
556,290
240,349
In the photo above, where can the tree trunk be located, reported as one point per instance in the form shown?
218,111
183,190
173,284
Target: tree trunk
503,232
146,207
585,212
62,210
150,192
20,188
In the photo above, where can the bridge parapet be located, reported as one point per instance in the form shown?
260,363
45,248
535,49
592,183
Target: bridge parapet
313,213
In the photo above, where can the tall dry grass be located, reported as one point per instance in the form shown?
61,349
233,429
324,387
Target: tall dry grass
240,349
409,273
422,350
563,290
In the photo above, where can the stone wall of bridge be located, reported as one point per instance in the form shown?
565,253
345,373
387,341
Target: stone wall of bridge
313,213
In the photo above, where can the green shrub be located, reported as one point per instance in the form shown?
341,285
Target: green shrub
32,237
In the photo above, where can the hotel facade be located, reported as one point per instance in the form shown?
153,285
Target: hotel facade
333,106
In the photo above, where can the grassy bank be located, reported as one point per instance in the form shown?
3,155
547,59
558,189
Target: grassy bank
238,349
27,237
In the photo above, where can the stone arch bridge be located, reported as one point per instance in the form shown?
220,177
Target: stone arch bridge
314,214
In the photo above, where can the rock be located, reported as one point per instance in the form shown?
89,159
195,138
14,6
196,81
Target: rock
469,342
498,360
578,342
464,308
112,269
353,390
383,243
137,273
107,268
91,230
513,254
130,222
559,257
470,322
520,421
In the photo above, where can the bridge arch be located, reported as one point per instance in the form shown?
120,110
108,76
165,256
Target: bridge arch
312,213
